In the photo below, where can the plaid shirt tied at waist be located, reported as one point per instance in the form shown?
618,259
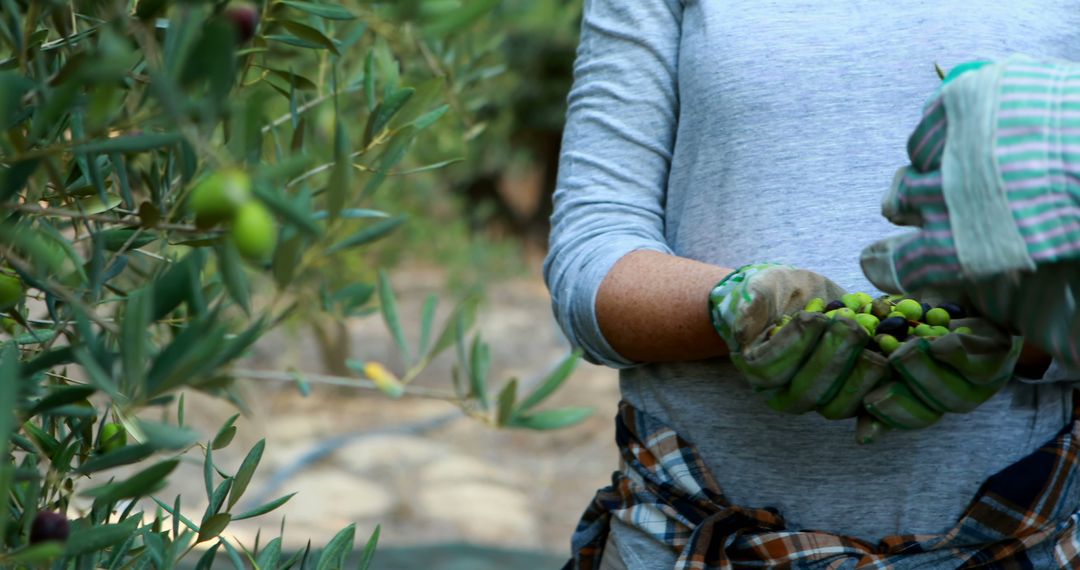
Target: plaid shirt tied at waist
1025,516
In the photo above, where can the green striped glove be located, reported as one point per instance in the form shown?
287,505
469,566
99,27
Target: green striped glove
811,361
994,186
953,373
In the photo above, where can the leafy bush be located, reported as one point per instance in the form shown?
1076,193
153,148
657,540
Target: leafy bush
177,179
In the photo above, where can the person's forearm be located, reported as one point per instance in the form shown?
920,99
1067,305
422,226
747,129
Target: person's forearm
653,307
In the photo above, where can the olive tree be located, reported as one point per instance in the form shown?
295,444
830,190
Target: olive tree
174,179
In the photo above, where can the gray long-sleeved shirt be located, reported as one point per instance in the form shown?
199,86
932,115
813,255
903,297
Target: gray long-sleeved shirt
742,131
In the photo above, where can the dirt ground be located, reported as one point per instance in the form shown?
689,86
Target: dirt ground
459,482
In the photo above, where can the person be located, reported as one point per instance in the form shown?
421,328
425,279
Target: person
703,136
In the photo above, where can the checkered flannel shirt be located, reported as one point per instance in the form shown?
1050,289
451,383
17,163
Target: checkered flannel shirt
1025,516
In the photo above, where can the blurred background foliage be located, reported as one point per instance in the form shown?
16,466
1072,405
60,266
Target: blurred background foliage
179,178
506,79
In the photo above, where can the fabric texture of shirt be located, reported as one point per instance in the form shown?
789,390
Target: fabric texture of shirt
768,131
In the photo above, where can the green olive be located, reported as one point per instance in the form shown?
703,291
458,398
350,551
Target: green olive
852,301
11,291
863,298
254,231
887,342
219,196
868,322
911,308
924,330
937,317
113,436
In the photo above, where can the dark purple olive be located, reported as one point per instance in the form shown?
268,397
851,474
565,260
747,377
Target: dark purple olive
894,326
48,525
954,309
244,17
925,309
834,305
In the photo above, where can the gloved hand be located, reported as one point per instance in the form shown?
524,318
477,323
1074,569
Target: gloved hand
817,362
953,373
811,362
992,186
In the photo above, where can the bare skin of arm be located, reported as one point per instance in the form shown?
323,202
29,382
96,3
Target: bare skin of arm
653,307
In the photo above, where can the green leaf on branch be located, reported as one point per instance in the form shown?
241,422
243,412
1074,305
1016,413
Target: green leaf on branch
124,456
128,143
419,103
129,238
551,382
369,82
479,365
339,547
94,205
191,356
460,321
388,306
309,34
35,554
426,320
505,408
380,117
353,296
395,149
175,285
296,80
328,11
217,498
142,483
14,177
58,396
429,118
292,41
213,526
551,419
247,469
167,437
369,550
133,329
231,266
9,391
206,561
262,510
225,435
176,514
368,234
341,175
83,540
270,555
293,211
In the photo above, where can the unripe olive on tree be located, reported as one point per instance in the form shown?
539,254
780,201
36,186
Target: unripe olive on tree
11,291
254,231
113,437
217,197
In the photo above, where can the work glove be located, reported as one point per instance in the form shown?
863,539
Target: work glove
951,373
809,362
805,360
993,187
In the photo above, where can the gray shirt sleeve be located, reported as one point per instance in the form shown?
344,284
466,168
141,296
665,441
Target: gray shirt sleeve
616,153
